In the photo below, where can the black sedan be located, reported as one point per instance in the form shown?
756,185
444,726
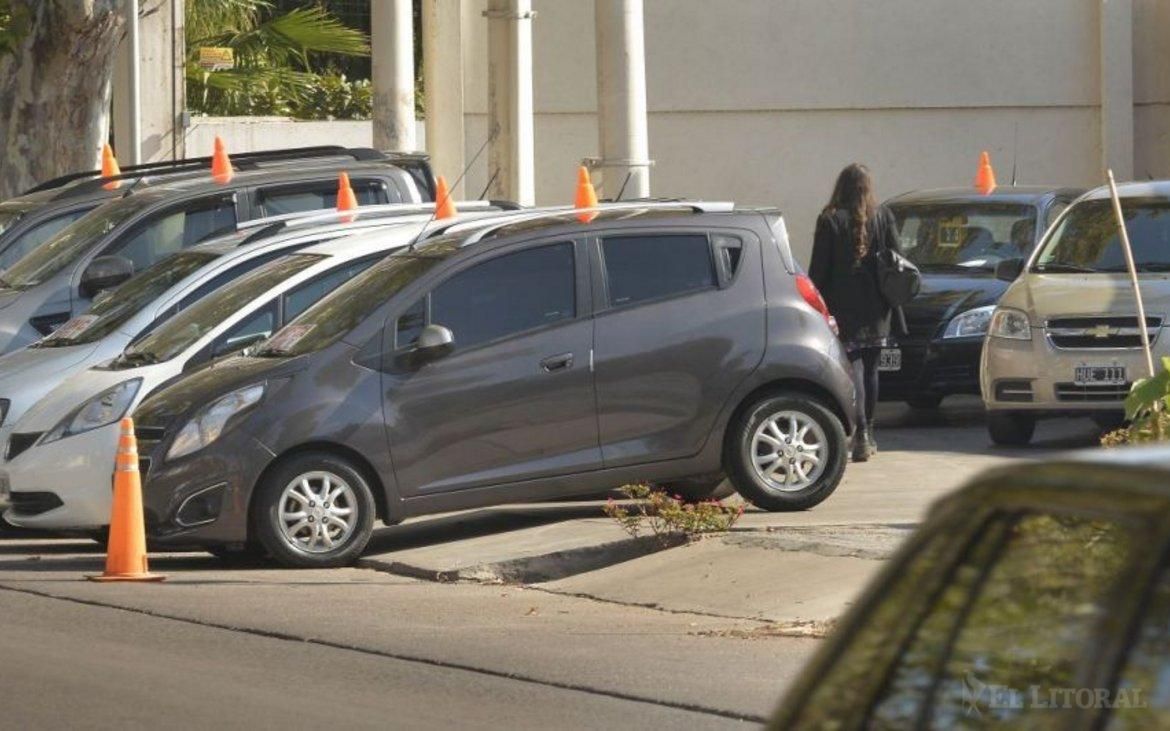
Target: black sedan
956,236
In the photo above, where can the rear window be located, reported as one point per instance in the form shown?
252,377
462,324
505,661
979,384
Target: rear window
295,199
650,267
964,236
1087,238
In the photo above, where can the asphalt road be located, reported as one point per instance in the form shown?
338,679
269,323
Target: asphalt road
261,647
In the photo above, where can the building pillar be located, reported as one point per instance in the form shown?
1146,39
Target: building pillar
442,22
392,64
621,99
162,58
511,161
1116,63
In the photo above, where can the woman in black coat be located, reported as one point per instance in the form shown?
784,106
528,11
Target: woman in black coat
850,231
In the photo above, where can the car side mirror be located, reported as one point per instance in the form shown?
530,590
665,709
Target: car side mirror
1009,269
434,342
237,344
104,272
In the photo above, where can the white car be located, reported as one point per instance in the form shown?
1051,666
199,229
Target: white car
59,456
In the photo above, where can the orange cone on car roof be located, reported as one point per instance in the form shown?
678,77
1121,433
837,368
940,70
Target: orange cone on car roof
126,552
221,164
586,195
985,177
110,167
444,207
346,199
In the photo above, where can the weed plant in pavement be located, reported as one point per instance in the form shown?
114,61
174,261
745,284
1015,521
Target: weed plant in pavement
667,517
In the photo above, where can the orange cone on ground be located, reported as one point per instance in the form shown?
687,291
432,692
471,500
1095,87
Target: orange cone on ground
985,177
586,195
346,199
444,207
126,552
110,167
221,164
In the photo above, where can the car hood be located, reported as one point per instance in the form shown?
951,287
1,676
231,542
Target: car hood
18,367
945,295
198,388
1045,296
81,387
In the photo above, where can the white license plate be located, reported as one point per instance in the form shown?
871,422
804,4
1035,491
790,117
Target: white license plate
1089,375
890,360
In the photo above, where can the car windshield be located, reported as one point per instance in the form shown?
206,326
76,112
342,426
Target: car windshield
969,236
72,242
1086,239
121,304
186,328
336,314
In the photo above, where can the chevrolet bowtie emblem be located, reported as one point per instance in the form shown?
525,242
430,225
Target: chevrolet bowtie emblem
1102,331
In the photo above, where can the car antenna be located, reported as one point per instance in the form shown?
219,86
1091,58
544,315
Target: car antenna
458,180
1015,150
133,185
624,184
488,187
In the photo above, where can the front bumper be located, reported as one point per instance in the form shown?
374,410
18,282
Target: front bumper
933,368
1036,376
77,471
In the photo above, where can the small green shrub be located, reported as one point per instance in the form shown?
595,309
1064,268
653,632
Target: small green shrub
1147,409
668,518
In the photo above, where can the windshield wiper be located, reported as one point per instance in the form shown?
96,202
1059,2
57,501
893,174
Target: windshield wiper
1059,267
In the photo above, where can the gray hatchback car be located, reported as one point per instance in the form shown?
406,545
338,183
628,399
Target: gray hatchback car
531,356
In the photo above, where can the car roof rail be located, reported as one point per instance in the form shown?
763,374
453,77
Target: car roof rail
240,160
495,225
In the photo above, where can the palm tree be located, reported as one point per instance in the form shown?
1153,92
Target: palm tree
273,72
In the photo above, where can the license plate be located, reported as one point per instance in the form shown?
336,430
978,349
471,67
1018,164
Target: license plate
1087,375
890,360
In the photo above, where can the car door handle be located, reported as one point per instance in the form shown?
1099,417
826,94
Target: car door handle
555,363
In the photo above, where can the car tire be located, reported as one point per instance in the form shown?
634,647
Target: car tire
1009,429
699,489
762,426
318,488
924,402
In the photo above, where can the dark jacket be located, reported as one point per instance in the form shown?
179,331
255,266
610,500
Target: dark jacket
850,287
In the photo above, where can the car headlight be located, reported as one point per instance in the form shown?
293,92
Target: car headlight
208,424
106,408
1011,324
971,323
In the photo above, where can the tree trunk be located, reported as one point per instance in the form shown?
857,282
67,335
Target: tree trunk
55,90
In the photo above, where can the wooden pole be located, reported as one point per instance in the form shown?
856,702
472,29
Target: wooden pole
1133,277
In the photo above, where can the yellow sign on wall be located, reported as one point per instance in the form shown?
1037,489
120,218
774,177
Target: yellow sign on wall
217,59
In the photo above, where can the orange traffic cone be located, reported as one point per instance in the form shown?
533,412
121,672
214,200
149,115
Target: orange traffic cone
110,167
126,553
586,196
985,177
346,199
221,164
444,207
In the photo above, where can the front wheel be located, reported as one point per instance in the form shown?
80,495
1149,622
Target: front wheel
1010,430
316,510
787,452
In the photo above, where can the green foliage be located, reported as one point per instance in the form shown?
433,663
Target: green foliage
14,19
274,74
1147,408
668,518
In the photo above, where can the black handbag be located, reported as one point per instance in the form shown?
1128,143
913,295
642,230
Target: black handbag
899,280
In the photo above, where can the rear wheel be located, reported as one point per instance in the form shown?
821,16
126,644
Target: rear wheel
316,510
698,490
786,452
1010,429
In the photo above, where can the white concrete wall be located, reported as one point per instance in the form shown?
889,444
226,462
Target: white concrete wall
249,134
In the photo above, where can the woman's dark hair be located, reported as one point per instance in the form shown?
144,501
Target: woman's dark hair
853,193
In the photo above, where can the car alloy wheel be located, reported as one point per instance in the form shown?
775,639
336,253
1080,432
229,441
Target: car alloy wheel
318,512
788,451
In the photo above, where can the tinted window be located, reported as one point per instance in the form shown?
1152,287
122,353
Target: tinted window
1086,239
257,327
170,231
410,325
303,297
277,201
729,253
37,235
507,295
642,268
1054,211
969,236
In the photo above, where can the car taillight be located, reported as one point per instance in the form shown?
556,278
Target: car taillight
813,297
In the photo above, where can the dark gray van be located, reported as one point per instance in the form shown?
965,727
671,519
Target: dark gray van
530,357
58,279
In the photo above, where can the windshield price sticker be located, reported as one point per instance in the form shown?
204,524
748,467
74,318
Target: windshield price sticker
951,232
288,337
73,328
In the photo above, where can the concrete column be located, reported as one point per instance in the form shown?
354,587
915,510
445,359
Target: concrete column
621,99
442,22
162,72
511,161
392,62
1116,63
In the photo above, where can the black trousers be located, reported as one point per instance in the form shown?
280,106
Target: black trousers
865,380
